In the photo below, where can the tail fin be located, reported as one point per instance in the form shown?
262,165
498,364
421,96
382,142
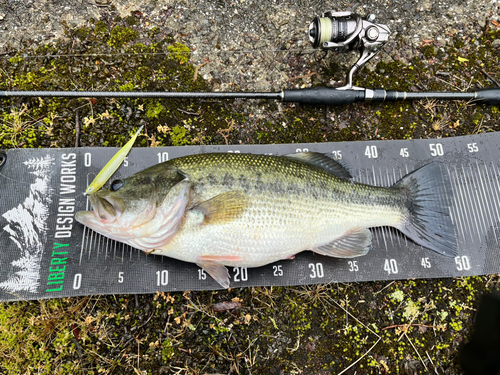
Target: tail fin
429,198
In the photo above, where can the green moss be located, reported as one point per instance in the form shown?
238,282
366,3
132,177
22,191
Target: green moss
131,21
168,350
179,136
18,130
120,36
32,343
154,110
179,53
428,51
126,87
83,33
100,28
16,60
154,32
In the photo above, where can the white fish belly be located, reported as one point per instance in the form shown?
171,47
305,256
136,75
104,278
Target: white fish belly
273,229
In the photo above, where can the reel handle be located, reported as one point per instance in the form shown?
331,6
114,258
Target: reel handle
323,96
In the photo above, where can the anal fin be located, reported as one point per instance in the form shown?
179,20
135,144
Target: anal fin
217,271
353,243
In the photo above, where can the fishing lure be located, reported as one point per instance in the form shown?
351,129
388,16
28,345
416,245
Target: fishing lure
110,168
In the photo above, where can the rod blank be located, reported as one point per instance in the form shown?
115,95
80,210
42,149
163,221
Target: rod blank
312,96
139,94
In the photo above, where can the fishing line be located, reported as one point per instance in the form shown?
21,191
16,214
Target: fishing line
14,180
29,183
194,52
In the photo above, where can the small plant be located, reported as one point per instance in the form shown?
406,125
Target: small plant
17,128
179,136
121,35
179,52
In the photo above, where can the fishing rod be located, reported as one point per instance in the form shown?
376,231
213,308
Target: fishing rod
333,31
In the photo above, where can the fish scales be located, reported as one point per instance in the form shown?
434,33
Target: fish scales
247,210
291,207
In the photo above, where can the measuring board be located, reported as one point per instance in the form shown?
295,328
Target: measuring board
45,253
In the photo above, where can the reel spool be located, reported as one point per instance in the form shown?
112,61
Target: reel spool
334,30
347,31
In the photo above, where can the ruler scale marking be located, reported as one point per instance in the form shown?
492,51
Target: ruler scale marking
485,202
456,206
392,231
479,208
376,231
494,194
398,235
381,229
471,211
464,209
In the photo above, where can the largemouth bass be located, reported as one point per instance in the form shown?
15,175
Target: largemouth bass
245,210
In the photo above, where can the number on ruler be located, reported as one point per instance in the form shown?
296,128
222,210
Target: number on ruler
426,263
87,159
436,149
125,161
404,153
120,277
337,155
162,277
234,152
277,270
463,263
353,265
162,156
77,281
202,275
371,152
391,266
316,270
240,274
472,147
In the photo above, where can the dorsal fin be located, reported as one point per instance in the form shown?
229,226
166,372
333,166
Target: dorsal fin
321,161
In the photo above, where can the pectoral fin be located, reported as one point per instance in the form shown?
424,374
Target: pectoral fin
223,207
217,271
353,243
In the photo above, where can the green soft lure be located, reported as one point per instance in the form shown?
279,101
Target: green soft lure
110,168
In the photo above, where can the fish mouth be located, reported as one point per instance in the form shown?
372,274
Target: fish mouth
105,210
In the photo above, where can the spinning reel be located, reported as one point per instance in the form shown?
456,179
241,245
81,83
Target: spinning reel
347,31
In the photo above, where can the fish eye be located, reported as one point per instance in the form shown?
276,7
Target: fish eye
117,184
